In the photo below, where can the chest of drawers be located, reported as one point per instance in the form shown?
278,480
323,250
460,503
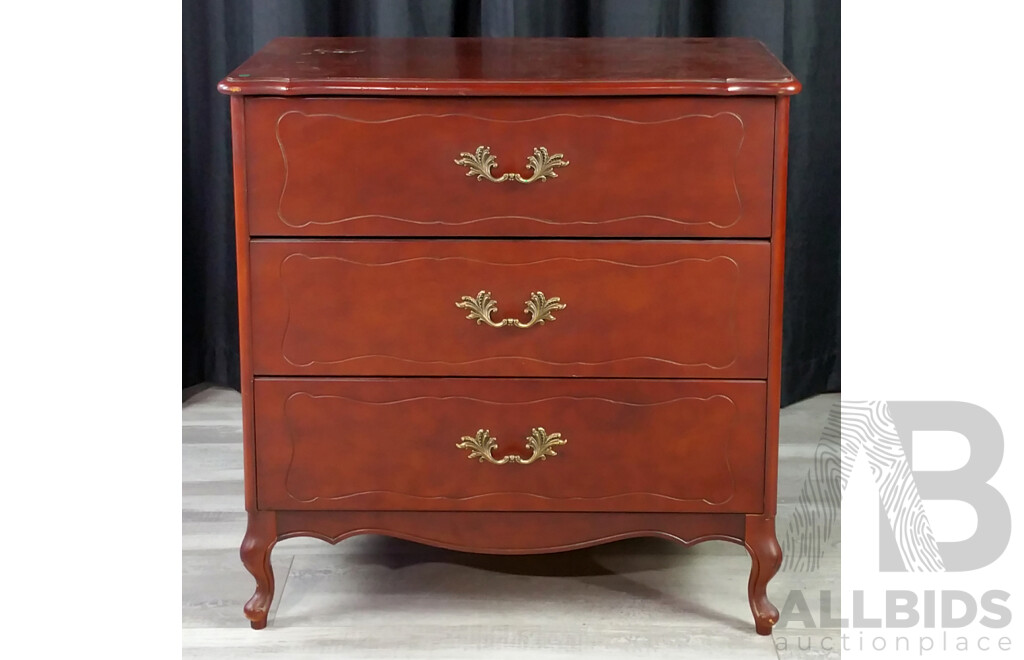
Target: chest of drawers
510,296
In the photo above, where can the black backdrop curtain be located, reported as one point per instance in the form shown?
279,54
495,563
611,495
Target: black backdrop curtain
220,34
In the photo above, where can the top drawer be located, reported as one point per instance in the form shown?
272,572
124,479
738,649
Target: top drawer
650,167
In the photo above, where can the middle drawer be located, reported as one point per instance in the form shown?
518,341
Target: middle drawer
679,309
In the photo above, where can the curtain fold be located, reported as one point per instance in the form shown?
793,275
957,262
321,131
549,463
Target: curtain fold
219,35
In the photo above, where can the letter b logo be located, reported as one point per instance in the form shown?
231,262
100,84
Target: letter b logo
967,484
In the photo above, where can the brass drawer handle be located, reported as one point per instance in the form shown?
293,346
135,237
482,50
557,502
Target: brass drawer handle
539,442
538,307
481,162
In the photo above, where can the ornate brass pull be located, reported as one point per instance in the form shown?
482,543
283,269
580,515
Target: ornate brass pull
481,162
538,307
539,442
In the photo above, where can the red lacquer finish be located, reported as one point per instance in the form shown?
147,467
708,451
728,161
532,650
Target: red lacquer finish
358,234
317,66
637,445
244,301
765,560
389,308
775,302
487,531
696,166
260,537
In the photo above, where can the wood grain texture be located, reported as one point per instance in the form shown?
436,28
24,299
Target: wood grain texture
511,67
640,309
685,166
391,444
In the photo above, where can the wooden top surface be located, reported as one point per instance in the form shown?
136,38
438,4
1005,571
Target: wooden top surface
511,67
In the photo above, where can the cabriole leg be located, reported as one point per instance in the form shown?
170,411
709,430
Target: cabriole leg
260,537
765,559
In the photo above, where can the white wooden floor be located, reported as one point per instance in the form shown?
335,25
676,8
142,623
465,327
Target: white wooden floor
377,597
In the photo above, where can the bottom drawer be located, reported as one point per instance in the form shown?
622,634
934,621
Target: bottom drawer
510,444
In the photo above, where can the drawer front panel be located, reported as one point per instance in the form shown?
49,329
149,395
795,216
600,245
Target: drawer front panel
631,309
607,445
690,166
